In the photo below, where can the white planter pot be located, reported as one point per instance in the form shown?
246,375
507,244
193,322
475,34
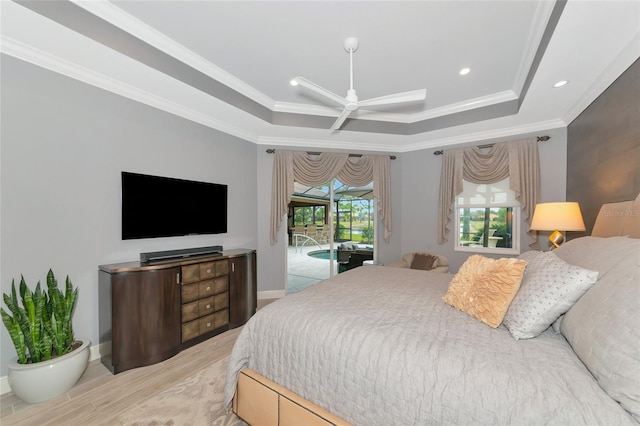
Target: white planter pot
45,380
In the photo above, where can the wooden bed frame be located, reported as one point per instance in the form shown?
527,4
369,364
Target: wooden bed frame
262,402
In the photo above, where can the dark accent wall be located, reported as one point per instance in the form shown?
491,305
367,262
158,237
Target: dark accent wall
603,148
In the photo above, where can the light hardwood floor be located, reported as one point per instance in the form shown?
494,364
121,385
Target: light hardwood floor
99,396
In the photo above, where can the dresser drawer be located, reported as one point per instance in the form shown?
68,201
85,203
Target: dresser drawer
206,324
206,288
221,284
190,274
190,293
190,311
221,301
221,318
190,330
222,267
207,270
205,306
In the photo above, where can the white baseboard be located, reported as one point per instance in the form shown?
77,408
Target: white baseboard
271,294
94,353
4,385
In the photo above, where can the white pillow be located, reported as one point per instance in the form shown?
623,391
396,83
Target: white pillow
550,287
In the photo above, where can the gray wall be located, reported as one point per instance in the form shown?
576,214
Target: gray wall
603,151
421,184
64,144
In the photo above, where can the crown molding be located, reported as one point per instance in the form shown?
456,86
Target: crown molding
466,105
544,10
326,144
487,135
627,56
108,12
479,136
61,66
365,114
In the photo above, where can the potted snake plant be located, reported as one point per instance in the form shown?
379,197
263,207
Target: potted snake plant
49,359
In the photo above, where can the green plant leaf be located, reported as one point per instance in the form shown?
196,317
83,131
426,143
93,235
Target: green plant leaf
32,339
43,324
13,327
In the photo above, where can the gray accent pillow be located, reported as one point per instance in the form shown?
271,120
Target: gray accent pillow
550,287
348,246
603,327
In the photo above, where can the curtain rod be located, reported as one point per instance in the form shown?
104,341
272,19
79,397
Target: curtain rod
271,151
489,145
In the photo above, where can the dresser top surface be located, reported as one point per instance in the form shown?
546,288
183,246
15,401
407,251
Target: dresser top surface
173,263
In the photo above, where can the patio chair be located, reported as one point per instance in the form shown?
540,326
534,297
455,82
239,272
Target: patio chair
475,241
357,259
312,230
322,234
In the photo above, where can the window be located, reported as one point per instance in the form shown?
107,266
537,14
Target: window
487,219
303,215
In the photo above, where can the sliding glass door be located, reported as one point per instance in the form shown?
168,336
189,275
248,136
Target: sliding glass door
320,220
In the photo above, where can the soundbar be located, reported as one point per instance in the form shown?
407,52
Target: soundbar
171,254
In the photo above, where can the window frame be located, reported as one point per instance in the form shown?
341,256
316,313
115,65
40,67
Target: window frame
515,227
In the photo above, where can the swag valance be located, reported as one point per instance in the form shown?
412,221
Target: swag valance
290,166
517,160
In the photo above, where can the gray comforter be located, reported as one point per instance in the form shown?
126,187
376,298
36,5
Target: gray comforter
377,346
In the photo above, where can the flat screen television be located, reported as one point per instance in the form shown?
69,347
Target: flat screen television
155,206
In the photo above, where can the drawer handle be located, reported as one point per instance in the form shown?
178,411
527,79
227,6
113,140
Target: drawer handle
209,271
208,306
209,288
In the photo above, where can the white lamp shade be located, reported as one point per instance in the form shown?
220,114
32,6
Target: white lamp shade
557,216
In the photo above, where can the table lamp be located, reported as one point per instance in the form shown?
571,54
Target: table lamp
554,216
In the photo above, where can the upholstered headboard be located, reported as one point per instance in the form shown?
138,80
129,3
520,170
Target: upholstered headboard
618,219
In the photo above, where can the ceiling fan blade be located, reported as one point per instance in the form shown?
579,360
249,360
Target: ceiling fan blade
340,120
320,90
414,95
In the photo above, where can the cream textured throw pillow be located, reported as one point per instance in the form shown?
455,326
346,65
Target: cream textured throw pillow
550,287
484,288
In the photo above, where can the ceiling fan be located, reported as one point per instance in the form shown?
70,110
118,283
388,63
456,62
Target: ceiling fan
350,102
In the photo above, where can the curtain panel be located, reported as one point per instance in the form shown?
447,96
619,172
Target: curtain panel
517,160
290,166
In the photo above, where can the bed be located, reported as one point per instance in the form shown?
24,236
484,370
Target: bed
378,346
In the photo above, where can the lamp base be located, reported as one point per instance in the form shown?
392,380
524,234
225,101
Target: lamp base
556,239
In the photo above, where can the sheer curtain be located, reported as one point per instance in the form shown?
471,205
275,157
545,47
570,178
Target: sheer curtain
290,166
518,160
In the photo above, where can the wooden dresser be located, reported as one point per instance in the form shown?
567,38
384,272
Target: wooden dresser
150,312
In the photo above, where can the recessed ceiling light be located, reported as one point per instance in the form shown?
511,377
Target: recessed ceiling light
465,71
293,82
560,83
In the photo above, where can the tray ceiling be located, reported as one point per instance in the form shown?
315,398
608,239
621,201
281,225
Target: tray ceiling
227,64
